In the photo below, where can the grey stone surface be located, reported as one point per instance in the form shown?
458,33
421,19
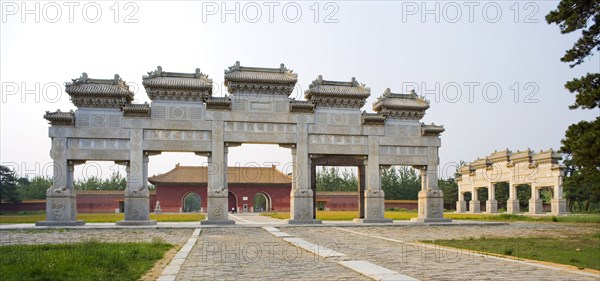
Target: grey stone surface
243,253
60,223
374,271
136,222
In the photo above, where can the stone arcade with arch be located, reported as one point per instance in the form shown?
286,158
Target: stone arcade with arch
539,170
185,117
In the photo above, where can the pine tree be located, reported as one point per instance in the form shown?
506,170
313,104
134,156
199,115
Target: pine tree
8,185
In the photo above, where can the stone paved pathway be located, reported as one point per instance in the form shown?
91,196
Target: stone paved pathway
434,263
254,254
254,218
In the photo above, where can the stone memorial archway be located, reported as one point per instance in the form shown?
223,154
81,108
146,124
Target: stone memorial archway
185,117
539,170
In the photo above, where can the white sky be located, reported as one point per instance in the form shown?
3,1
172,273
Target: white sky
383,44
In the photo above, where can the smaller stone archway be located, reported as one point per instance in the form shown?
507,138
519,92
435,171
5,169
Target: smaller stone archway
191,202
526,173
262,206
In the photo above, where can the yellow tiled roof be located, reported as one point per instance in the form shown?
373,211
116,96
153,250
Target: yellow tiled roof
198,174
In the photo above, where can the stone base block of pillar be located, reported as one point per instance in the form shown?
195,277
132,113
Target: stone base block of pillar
559,206
536,207
294,221
135,222
357,220
491,206
217,222
374,208
431,206
61,209
60,223
137,208
217,211
461,206
301,211
475,206
512,206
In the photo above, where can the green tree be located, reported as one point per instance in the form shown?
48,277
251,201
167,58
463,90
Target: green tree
8,185
450,189
582,140
191,202
34,188
330,179
390,182
260,202
403,183
115,182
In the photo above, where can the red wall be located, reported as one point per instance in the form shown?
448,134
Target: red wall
171,196
104,203
37,205
348,201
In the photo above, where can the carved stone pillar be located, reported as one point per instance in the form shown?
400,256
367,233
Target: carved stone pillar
137,195
491,205
475,205
374,197
535,202
61,203
431,198
218,191
461,204
512,204
301,195
558,203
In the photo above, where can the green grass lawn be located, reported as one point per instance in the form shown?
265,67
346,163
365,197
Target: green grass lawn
344,215
80,261
406,215
103,217
579,251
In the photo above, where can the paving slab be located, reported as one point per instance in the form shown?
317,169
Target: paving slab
254,254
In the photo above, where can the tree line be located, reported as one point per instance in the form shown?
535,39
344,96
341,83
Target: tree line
16,189
398,183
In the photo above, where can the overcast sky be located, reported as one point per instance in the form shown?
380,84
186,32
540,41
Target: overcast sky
490,69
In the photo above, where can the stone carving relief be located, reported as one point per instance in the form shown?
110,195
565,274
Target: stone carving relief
135,212
59,190
98,143
403,150
403,130
218,211
137,190
98,120
218,192
260,117
58,209
337,139
259,127
303,213
176,112
177,135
